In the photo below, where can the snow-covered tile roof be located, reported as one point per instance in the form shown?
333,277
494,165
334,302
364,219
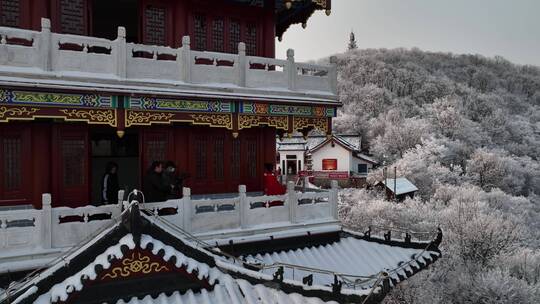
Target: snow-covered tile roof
402,185
314,141
291,147
365,157
352,141
226,279
350,257
226,289
230,291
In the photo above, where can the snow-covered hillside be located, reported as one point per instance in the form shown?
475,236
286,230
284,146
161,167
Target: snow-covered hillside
466,130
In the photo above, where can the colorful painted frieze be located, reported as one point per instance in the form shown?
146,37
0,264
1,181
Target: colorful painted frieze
278,109
34,98
178,105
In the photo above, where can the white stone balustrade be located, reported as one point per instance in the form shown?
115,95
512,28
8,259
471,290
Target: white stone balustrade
30,232
96,59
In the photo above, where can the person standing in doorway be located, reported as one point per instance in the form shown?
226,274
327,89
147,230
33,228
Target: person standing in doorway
109,184
155,188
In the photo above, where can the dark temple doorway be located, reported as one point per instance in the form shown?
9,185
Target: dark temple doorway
108,15
107,147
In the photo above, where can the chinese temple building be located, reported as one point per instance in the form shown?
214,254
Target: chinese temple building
87,82
83,83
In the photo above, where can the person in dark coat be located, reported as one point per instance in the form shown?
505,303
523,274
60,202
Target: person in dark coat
175,179
109,184
171,178
155,188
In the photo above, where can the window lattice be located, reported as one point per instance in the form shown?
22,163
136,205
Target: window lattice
251,39
200,32
235,165
155,25
219,151
73,151
9,13
155,151
12,163
72,16
218,31
234,36
252,158
200,158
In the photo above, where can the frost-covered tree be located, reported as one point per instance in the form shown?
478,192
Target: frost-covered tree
486,168
465,130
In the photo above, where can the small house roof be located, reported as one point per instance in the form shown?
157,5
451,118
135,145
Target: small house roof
366,158
402,185
350,141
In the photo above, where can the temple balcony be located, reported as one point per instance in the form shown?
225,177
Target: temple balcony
42,59
30,238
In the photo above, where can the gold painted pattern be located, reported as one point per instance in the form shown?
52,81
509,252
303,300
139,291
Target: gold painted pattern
143,118
248,121
300,123
213,120
92,116
146,118
135,265
7,113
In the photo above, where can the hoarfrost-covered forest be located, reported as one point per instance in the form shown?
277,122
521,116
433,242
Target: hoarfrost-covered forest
465,130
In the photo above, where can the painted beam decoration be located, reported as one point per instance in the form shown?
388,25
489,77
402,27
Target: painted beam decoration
29,105
178,105
147,118
22,97
20,104
283,109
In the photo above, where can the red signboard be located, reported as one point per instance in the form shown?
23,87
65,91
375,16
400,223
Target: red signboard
329,164
331,175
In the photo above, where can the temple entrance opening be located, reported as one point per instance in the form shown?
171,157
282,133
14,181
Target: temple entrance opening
108,150
108,15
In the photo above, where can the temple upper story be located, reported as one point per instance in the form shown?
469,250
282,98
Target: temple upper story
44,59
223,47
215,25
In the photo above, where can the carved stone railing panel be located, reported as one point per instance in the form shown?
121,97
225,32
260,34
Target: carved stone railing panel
32,232
51,54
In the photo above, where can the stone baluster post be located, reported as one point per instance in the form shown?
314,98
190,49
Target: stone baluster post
46,221
332,75
292,200
45,44
291,70
243,205
120,200
186,59
121,52
241,65
187,208
334,199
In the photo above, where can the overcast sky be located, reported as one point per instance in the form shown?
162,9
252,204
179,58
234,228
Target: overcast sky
509,28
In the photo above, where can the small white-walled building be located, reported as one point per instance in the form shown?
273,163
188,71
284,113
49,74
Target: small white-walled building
335,157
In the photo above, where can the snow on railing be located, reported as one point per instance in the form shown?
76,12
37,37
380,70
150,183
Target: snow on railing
83,56
36,231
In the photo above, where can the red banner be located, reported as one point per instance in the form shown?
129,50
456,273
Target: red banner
331,175
329,164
